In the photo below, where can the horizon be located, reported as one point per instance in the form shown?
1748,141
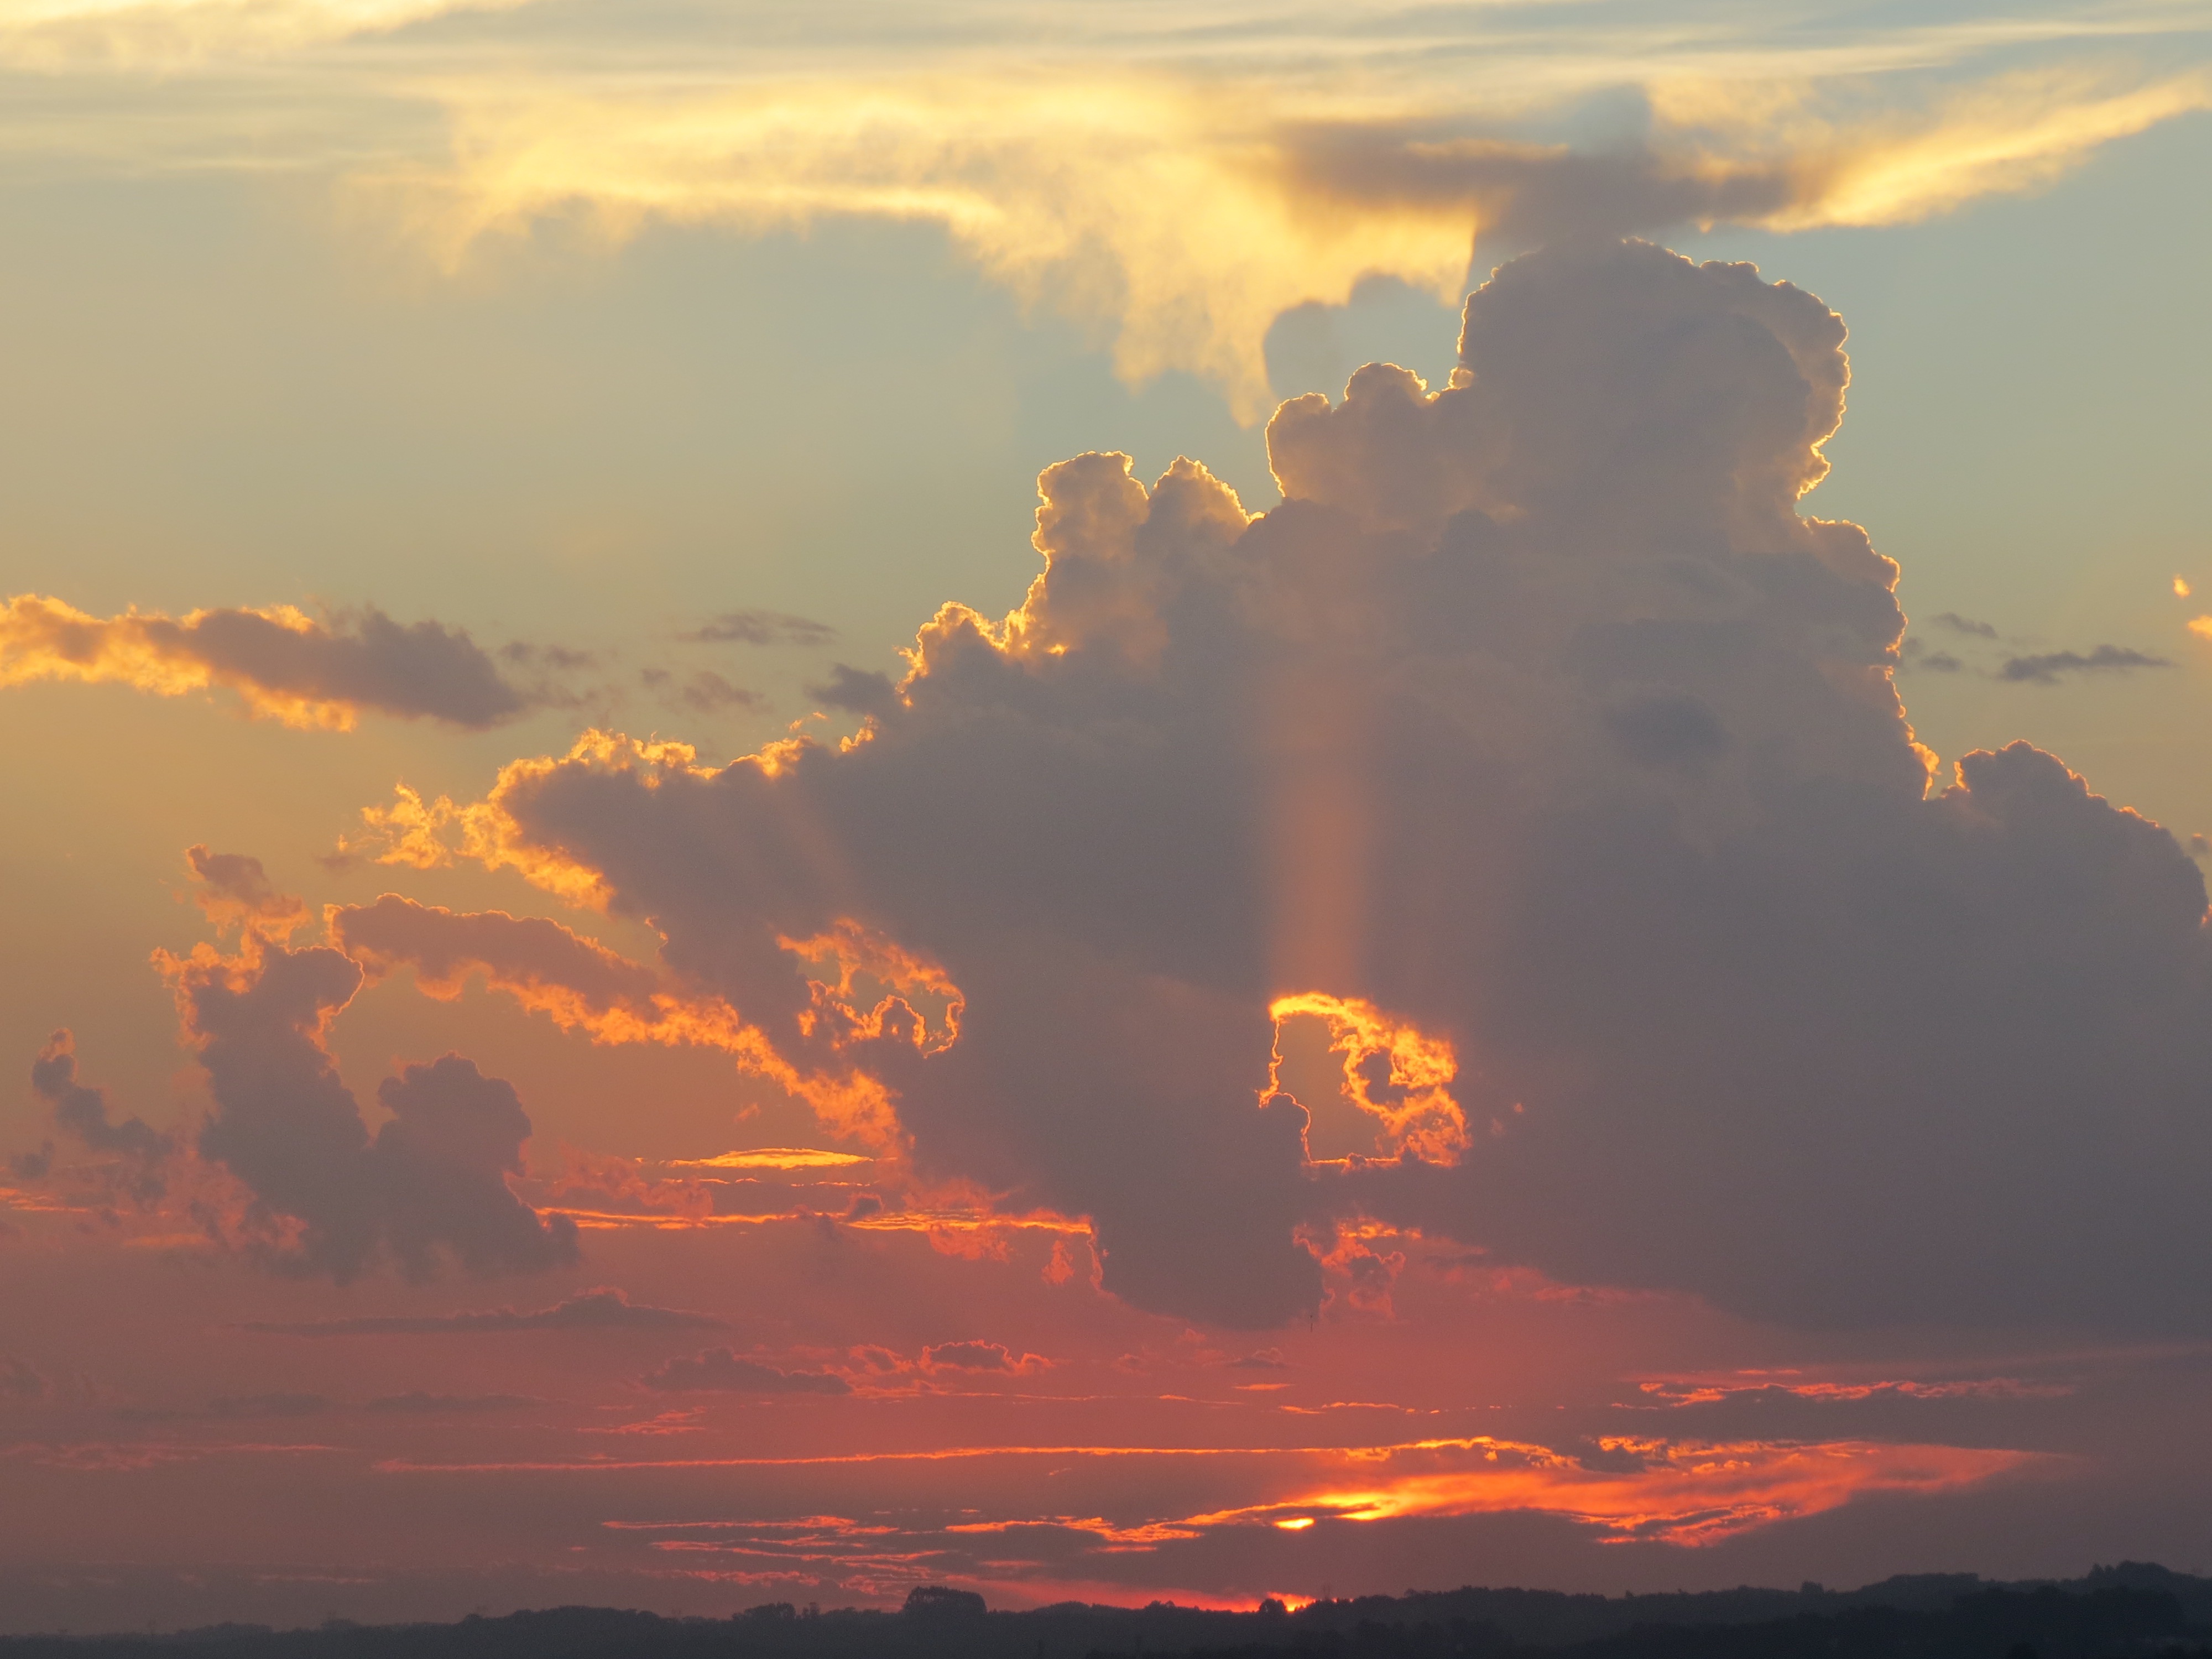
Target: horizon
1190,804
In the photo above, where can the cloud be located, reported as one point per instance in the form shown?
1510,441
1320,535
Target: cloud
719,1370
174,34
81,1111
419,1404
583,986
601,1310
1540,724
703,693
326,1196
1174,182
759,628
283,664
973,1356
234,891
1959,624
2048,668
858,690
1265,1359
542,962
1180,207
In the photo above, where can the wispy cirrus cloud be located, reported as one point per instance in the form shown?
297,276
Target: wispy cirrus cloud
1172,181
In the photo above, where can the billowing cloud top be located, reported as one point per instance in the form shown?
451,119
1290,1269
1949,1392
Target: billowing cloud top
1542,749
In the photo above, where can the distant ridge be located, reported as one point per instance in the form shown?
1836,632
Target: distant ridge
2129,1611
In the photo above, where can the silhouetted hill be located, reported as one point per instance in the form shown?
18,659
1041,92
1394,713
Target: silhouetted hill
2135,1609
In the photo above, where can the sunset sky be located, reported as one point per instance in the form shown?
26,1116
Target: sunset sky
766,838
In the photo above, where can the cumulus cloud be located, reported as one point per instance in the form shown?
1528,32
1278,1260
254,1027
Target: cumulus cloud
326,1196
719,1370
1538,738
281,664
601,1310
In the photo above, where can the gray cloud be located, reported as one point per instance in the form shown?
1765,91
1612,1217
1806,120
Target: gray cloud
1959,624
81,1111
1525,195
719,1370
601,1310
233,1408
282,663
760,627
414,670
1537,717
431,1185
2048,668
704,692
857,690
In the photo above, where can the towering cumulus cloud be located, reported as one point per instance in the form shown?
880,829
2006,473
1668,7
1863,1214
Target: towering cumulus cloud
1540,747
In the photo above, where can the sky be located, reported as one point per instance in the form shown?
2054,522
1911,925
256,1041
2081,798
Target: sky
1111,803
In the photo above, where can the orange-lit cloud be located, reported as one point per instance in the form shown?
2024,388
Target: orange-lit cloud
429,1186
1409,1095
1184,214
774,1157
283,664
1169,190
582,985
1704,1391
1677,1492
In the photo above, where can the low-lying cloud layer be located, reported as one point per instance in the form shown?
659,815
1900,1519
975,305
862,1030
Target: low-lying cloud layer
1538,743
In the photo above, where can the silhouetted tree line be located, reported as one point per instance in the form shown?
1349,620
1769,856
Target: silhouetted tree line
2133,1611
